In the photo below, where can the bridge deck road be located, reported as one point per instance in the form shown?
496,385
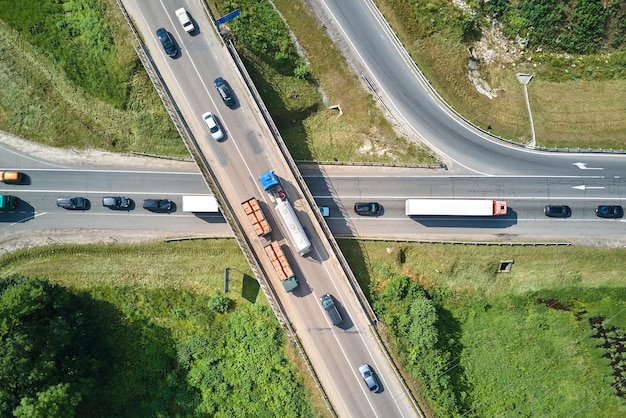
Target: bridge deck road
247,151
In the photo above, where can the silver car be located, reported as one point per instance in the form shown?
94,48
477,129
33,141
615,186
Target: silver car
214,127
370,378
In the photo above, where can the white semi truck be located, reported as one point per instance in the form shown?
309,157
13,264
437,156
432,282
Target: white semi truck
455,207
200,203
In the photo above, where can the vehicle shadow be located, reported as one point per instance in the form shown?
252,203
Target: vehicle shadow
505,221
211,218
347,322
22,213
196,28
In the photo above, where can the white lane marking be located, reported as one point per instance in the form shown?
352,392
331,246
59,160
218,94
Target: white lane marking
583,166
583,187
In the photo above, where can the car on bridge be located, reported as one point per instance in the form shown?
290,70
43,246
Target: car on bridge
185,20
367,373
214,128
225,91
167,42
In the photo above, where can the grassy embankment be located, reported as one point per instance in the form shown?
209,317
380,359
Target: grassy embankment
300,104
546,339
576,100
70,78
522,341
176,355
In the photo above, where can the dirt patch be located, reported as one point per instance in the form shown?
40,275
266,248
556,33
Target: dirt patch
30,239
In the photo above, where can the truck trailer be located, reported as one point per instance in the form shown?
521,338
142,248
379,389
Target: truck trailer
455,207
200,204
285,212
280,264
256,217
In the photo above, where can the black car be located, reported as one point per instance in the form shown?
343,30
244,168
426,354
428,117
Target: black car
557,211
331,309
116,202
75,202
367,208
606,211
167,41
224,90
157,205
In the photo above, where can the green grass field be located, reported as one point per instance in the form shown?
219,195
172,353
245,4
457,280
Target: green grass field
169,341
81,86
519,343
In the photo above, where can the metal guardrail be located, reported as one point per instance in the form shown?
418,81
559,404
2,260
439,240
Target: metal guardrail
372,164
462,242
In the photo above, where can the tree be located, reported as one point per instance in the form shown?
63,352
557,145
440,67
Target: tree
49,349
54,401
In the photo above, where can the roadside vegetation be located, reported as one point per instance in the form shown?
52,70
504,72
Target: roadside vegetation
546,339
299,89
70,78
123,330
575,50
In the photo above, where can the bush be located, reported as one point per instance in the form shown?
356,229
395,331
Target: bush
219,304
415,327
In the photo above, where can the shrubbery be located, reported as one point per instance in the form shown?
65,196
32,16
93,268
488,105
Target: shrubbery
52,354
65,354
414,322
261,30
581,27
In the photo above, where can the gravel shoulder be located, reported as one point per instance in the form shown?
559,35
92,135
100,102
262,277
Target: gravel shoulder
27,150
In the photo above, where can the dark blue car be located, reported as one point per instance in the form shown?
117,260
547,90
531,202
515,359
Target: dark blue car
606,211
167,41
224,90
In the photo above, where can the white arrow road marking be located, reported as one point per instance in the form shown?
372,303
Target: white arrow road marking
583,166
583,187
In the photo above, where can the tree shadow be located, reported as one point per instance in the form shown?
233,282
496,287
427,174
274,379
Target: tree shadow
450,334
142,376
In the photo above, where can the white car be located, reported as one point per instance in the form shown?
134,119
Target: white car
214,127
185,20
